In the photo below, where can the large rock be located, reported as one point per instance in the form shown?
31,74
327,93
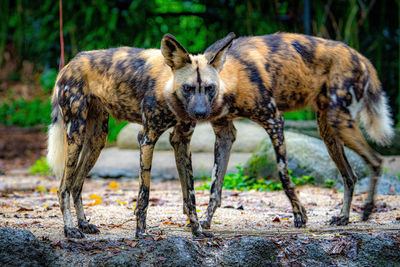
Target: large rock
21,248
389,184
203,137
114,163
306,155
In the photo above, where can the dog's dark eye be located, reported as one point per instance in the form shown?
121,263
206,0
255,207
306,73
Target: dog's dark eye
210,88
188,88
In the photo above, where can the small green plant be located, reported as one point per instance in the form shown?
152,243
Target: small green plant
242,182
329,183
40,167
305,179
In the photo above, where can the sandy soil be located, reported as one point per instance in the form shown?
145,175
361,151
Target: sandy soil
28,202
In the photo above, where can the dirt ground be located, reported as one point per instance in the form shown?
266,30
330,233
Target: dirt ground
30,202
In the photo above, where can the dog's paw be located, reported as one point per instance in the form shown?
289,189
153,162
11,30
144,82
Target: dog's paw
339,220
368,207
144,236
300,217
88,228
73,232
202,234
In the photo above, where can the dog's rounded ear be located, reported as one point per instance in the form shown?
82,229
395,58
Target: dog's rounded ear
174,53
215,54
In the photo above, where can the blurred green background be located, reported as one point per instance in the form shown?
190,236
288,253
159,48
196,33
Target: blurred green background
30,47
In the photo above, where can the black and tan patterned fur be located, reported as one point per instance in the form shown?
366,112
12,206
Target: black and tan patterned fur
255,78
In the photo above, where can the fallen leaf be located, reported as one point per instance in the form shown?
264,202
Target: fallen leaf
97,200
164,221
132,243
337,248
53,191
157,201
160,237
24,209
276,219
114,225
113,185
94,196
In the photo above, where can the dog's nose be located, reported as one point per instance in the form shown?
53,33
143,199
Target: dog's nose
200,112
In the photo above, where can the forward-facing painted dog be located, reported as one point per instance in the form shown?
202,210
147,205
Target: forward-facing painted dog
255,78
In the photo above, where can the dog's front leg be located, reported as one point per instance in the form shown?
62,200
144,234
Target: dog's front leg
147,140
225,135
180,141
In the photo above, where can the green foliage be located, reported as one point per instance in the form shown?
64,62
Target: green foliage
40,167
329,183
238,181
306,114
114,127
37,112
25,113
48,79
31,29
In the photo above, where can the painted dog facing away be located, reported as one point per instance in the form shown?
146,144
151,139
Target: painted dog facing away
255,78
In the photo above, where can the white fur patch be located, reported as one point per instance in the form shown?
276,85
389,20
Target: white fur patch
55,149
281,165
69,128
355,107
377,121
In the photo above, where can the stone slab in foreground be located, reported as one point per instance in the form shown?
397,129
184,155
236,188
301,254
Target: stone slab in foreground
345,249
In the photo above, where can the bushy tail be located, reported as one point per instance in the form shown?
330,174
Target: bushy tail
375,114
56,142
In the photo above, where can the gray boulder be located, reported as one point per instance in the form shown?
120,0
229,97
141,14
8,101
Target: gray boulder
249,135
388,184
306,155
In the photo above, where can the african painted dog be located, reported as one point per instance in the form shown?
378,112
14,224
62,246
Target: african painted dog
257,78
140,86
266,75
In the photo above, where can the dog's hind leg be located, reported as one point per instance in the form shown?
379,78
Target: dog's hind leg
351,135
96,134
225,135
336,150
273,124
75,135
